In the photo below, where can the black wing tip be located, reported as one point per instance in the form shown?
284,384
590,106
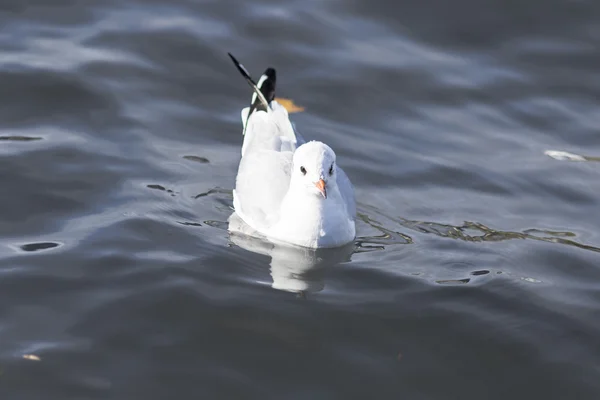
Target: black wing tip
266,93
240,68
235,61
270,72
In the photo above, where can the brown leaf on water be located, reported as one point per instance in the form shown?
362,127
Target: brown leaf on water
31,357
289,105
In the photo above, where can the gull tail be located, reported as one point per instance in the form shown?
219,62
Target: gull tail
264,90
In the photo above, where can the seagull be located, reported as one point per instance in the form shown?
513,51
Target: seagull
288,190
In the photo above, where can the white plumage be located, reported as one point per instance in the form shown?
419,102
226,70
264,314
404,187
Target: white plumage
289,190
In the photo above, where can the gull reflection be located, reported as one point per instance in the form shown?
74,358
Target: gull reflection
293,269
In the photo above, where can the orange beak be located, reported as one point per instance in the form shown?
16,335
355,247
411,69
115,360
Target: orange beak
320,184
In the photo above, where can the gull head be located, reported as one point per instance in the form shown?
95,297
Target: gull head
314,168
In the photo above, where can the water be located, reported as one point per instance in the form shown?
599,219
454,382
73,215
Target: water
475,273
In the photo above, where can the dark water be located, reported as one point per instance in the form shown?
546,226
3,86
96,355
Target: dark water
476,272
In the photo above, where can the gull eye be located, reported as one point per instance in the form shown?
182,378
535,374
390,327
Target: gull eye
331,170
303,170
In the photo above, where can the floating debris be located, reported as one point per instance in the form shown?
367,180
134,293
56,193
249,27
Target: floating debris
481,233
547,232
31,357
289,105
564,156
387,236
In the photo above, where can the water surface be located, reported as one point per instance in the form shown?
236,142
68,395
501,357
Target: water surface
475,273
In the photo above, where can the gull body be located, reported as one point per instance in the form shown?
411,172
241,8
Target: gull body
289,190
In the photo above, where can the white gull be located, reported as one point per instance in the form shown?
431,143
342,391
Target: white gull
289,190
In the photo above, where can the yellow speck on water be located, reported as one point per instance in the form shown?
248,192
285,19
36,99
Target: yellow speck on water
32,357
289,105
